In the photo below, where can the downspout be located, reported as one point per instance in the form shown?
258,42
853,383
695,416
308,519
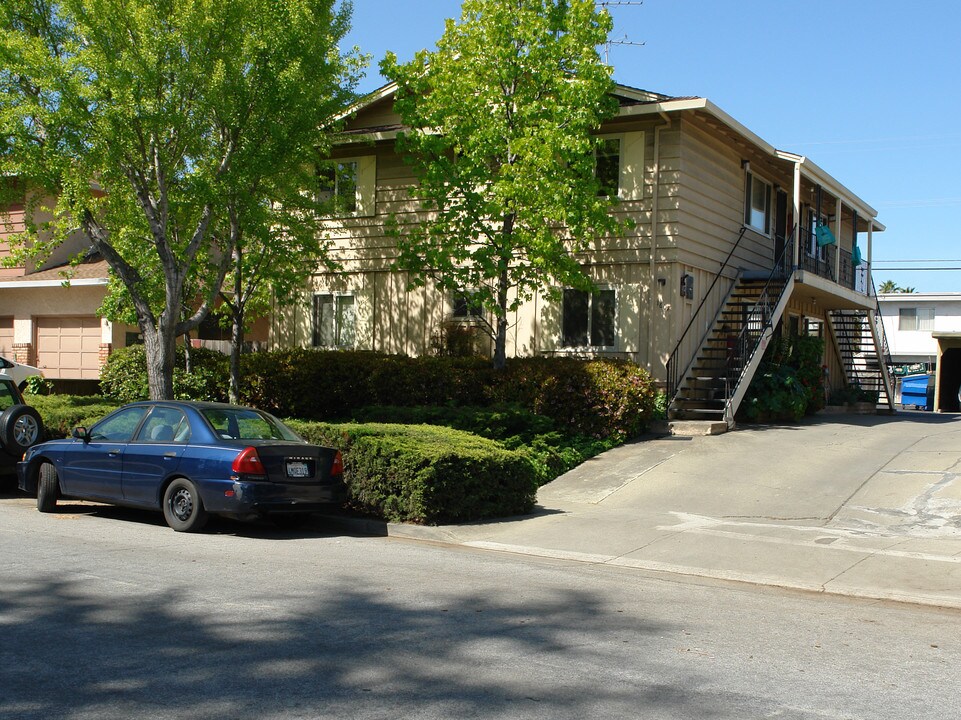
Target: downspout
797,215
652,302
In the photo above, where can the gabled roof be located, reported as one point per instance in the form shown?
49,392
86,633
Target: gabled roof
637,102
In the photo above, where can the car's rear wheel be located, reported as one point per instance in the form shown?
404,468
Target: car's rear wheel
183,508
48,489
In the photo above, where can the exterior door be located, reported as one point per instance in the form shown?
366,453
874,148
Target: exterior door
93,468
153,455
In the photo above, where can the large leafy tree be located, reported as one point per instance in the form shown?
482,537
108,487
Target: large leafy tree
500,122
153,128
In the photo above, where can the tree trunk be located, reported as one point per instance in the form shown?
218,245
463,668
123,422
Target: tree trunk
236,346
500,337
237,308
160,345
503,283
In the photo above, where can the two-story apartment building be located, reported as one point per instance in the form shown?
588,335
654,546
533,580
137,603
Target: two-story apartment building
730,238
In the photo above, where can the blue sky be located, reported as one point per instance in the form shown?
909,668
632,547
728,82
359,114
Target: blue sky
869,90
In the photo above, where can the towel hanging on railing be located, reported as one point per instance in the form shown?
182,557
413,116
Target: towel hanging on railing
824,236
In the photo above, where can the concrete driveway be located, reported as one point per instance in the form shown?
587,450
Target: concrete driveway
868,506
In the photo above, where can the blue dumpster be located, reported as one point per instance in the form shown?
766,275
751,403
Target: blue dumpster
918,390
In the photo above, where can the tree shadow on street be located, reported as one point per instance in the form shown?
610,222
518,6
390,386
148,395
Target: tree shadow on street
84,648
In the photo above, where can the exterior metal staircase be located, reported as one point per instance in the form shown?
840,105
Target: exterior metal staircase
862,346
718,378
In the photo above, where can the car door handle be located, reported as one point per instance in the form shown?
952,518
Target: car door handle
113,453
170,455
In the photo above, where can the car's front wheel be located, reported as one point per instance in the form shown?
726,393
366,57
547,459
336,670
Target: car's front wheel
48,489
183,508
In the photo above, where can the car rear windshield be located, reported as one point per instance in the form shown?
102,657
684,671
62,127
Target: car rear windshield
246,424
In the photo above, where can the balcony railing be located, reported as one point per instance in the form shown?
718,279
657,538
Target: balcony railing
823,261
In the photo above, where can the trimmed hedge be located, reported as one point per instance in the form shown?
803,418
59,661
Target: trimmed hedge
426,474
553,452
598,398
62,413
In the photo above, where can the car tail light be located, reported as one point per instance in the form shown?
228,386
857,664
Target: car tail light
248,463
337,468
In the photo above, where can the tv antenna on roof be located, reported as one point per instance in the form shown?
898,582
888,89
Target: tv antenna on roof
623,40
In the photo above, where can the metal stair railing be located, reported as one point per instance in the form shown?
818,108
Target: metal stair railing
884,352
673,380
883,349
757,320
850,327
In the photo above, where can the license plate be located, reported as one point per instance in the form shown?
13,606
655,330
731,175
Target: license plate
298,470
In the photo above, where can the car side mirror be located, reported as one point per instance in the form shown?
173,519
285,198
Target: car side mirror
80,433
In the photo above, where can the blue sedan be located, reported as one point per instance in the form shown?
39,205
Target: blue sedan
188,459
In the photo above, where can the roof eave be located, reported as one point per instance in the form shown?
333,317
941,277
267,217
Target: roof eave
808,167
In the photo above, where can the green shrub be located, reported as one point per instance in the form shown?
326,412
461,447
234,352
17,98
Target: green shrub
62,413
552,451
39,385
599,398
852,394
426,474
789,382
124,377
309,384
776,393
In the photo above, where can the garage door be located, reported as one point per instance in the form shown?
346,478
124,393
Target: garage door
69,348
6,337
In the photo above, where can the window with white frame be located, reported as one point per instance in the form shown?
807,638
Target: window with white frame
607,166
337,186
589,319
757,204
916,319
466,305
347,186
334,321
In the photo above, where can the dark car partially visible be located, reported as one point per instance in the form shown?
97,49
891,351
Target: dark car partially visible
189,460
20,427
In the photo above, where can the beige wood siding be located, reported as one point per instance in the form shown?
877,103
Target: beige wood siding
711,202
69,347
378,114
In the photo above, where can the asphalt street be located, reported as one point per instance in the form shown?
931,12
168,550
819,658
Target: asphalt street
106,613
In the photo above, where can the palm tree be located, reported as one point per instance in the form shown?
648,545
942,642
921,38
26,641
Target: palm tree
888,286
906,290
